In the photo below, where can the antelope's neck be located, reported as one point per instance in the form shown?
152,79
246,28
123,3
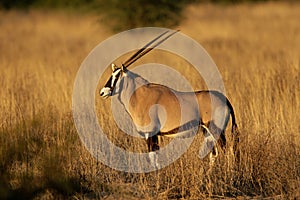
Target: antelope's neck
130,82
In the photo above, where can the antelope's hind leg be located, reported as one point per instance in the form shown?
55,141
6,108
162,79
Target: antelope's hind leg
209,145
218,134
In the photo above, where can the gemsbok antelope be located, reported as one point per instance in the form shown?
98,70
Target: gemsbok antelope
138,96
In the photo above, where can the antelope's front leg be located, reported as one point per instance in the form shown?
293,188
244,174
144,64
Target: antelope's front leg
153,146
152,143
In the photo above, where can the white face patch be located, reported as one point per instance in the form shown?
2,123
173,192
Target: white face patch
105,92
114,77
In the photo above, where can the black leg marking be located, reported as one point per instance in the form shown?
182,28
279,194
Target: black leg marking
152,143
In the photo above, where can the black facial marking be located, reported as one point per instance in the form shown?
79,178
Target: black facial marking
109,82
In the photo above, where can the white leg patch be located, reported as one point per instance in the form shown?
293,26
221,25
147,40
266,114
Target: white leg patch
213,157
208,144
153,159
146,135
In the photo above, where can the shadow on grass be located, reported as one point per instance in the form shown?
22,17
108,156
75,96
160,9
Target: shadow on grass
33,164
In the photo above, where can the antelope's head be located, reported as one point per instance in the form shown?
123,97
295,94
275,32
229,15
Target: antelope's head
117,72
110,85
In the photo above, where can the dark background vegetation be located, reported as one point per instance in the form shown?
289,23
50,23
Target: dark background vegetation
123,14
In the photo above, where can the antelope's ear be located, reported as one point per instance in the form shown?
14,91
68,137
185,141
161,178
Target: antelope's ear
113,67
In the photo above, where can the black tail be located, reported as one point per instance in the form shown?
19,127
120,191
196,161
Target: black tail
234,130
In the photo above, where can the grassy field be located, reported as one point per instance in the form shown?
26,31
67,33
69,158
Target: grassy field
257,50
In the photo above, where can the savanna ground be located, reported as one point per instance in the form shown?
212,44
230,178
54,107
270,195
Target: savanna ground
257,50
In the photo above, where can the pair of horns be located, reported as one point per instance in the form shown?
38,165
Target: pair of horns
146,49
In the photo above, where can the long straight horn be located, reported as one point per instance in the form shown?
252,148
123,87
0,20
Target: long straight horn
146,48
143,48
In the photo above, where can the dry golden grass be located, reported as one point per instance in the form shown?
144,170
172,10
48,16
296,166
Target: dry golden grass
256,48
